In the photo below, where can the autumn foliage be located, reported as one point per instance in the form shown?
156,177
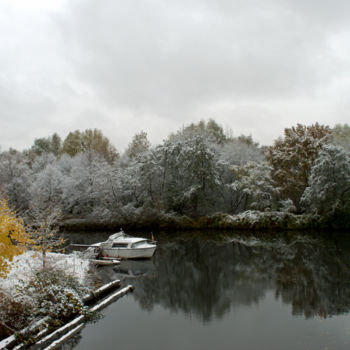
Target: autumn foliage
13,236
292,157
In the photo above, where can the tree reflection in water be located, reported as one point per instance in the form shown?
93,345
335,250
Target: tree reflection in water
205,278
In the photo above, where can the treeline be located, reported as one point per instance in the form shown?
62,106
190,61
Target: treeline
198,171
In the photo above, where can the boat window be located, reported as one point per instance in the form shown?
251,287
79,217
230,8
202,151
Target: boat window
138,244
119,245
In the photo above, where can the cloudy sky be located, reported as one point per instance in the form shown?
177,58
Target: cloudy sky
155,65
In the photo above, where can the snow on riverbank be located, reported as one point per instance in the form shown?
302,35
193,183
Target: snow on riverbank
23,266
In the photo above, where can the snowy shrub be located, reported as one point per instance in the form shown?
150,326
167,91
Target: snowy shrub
14,314
55,293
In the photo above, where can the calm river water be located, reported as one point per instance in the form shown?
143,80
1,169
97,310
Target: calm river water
221,291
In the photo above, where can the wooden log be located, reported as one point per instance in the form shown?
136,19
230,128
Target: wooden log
67,336
115,296
11,340
38,336
100,291
58,333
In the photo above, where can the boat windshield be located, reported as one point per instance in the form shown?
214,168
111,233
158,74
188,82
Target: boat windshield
139,244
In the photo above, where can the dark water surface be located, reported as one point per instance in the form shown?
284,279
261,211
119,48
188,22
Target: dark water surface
222,291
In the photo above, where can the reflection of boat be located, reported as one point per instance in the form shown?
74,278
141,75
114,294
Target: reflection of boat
135,268
120,245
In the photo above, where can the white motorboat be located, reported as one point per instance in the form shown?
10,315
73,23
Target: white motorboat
120,245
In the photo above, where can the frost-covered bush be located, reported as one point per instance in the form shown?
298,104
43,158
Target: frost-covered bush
55,293
14,314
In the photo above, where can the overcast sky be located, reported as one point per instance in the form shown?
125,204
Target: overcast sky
154,65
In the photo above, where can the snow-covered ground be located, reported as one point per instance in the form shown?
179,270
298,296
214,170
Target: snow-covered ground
24,265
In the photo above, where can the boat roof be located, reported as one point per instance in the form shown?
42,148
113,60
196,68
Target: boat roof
122,237
129,239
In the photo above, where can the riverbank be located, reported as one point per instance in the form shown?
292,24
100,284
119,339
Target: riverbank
29,291
249,220
46,332
38,303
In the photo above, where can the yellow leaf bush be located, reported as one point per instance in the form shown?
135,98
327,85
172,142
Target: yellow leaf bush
13,237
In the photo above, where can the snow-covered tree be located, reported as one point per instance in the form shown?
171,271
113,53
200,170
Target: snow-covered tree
340,136
210,131
44,145
234,153
107,191
329,182
152,175
238,152
46,188
192,176
292,157
44,229
253,186
138,145
72,143
39,163
78,184
15,178
89,141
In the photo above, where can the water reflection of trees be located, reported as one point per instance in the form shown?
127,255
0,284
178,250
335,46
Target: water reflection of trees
315,278
206,279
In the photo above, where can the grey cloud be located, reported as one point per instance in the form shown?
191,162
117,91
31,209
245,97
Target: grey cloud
124,66
159,57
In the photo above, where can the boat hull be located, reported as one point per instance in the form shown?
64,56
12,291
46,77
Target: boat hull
129,253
